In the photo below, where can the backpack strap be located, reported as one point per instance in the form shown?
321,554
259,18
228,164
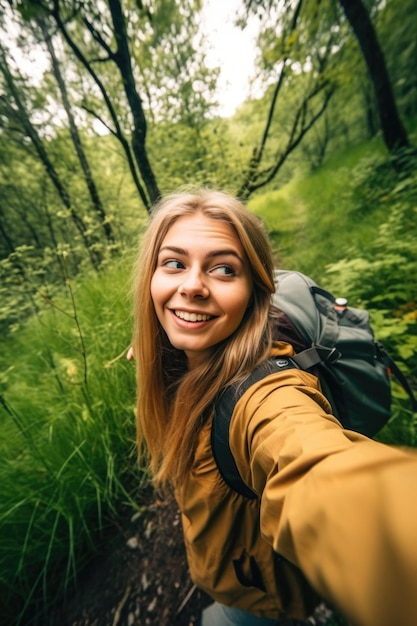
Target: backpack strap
223,411
393,367
316,354
327,332
227,399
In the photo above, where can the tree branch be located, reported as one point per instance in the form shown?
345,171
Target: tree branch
265,177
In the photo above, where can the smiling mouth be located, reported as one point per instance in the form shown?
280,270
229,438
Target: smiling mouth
193,317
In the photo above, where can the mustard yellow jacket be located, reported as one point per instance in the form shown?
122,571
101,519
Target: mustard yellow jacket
333,504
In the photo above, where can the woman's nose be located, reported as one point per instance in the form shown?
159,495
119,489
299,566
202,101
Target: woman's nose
193,285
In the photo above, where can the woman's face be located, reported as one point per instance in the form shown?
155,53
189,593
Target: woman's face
201,286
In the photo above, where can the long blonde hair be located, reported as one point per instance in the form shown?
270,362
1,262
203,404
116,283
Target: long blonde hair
173,403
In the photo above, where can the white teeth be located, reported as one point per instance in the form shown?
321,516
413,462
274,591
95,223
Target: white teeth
192,317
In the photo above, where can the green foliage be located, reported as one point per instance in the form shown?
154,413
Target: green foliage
40,230
67,449
206,155
313,209
176,83
381,277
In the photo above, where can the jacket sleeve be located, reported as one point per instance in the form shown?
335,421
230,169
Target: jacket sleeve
338,505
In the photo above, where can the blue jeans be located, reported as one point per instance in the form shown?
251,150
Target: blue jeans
220,615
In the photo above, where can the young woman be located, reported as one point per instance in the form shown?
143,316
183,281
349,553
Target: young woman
336,512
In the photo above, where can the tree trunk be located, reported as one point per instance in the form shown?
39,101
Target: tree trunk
33,135
76,140
117,131
394,133
124,63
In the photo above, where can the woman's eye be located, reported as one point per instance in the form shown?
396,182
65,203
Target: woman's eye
224,270
173,264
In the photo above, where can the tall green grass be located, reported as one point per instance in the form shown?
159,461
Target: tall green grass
67,446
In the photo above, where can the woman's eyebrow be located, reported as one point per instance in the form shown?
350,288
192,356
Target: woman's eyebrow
174,249
209,255
227,252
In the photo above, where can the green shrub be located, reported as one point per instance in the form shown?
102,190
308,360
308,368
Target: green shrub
381,278
67,450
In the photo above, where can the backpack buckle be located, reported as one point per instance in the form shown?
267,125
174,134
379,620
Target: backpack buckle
315,355
333,355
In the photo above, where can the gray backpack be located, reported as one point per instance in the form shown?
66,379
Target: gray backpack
354,369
